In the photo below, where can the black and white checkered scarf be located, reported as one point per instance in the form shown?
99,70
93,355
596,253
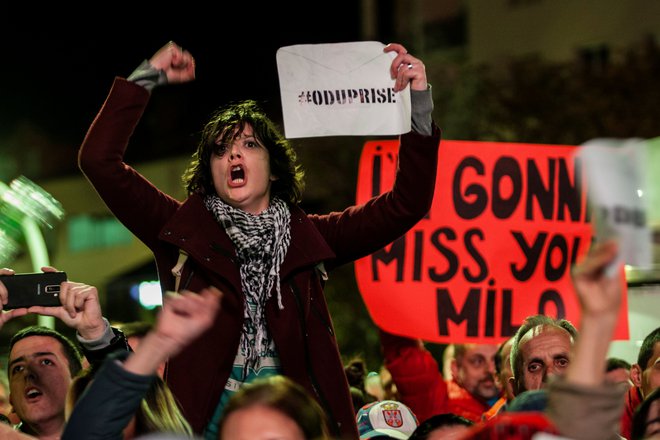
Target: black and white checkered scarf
261,244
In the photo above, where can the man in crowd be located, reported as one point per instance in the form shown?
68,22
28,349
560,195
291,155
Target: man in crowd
618,371
540,352
469,394
41,364
646,372
42,361
502,374
645,375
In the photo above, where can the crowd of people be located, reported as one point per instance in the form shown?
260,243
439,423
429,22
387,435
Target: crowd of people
243,346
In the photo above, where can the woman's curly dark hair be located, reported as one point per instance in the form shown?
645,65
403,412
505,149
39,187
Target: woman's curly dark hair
229,121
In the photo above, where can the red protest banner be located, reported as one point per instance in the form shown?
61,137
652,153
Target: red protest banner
508,220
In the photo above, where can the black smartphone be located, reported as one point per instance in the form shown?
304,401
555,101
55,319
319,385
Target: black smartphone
33,289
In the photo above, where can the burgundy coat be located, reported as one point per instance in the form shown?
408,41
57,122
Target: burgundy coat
303,331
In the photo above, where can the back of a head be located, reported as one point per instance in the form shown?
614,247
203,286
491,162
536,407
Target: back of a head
356,374
502,355
285,396
647,348
356,371
77,387
646,419
614,363
387,419
133,328
511,426
530,400
166,436
159,412
618,372
447,423
5,405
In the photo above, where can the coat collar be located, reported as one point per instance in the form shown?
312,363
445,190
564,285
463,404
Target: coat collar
193,229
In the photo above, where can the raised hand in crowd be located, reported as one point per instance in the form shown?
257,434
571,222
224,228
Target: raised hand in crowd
600,300
120,393
405,69
183,318
583,395
177,64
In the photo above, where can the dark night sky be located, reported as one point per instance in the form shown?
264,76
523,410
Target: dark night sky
55,72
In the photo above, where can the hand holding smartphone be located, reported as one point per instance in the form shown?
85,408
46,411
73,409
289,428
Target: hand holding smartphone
33,289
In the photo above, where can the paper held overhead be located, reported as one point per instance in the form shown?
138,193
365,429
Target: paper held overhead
620,195
340,89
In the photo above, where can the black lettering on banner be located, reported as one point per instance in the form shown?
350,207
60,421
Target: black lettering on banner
397,252
469,312
537,191
452,259
490,310
569,195
376,171
474,253
506,167
506,327
473,200
558,243
469,210
532,255
441,240
418,255
552,296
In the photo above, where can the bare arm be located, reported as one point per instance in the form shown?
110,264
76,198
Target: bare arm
582,394
600,299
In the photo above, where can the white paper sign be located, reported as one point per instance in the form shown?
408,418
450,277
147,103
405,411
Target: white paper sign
618,191
340,89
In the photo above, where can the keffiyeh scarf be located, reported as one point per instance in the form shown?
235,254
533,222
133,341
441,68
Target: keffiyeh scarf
261,244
